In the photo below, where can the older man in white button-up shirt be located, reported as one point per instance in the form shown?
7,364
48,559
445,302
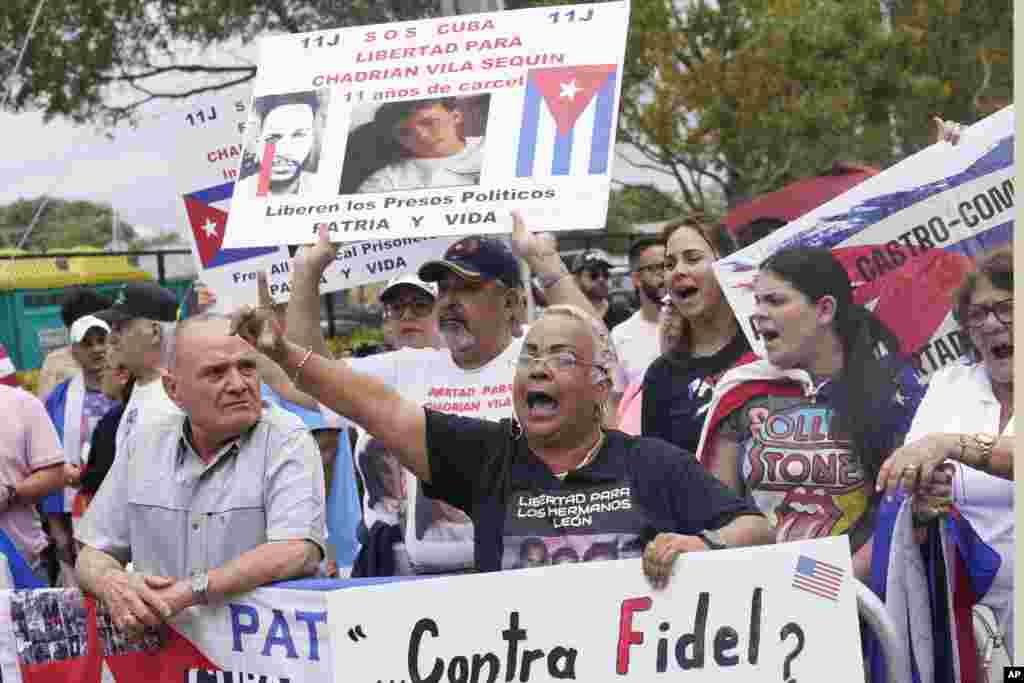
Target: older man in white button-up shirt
220,500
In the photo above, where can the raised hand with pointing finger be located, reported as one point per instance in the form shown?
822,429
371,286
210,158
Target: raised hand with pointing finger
262,326
308,268
947,131
540,251
318,256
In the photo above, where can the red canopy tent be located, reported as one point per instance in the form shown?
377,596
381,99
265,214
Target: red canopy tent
800,197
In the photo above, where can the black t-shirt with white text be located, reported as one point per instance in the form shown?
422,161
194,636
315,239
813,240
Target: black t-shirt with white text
677,392
525,516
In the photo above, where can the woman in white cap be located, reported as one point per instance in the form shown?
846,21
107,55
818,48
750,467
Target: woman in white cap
410,317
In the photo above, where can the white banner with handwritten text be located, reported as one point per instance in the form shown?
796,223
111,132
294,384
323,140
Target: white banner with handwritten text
775,613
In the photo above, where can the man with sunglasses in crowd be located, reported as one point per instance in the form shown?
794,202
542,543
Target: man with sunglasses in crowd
410,317
636,339
592,269
142,327
410,322
478,309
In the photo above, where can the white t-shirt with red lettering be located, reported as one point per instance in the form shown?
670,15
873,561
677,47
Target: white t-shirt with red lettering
438,537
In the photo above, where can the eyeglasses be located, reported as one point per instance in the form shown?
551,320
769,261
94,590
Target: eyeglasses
976,315
655,268
561,361
420,308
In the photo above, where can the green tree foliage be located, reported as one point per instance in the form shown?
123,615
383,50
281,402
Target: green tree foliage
63,224
961,61
635,204
100,61
747,96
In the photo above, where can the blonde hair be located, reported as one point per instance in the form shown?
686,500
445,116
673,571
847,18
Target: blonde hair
605,356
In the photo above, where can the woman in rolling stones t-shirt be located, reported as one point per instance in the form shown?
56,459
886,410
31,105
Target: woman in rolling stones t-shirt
804,431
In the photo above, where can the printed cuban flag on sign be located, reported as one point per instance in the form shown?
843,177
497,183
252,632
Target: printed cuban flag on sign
208,220
566,127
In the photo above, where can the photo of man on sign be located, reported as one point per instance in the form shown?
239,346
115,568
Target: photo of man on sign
416,144
283,153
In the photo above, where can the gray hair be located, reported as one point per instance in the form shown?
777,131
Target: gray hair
605,356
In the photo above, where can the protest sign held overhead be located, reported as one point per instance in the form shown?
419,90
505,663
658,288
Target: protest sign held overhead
437,127
205,170
907,236
793,619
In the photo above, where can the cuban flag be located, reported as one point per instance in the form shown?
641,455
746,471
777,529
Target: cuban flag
566,127
273,634
913,299
87,652
929,590
912,295
208,223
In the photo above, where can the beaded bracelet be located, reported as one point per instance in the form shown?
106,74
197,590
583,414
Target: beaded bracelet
298,368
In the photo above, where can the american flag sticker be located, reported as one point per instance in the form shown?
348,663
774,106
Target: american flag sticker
818,578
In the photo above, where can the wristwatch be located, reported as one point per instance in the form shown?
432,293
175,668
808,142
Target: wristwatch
985,443
713,539
199,583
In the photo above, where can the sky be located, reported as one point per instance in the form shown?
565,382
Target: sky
59,159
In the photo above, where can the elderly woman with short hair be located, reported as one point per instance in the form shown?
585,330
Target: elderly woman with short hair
555,473
966,420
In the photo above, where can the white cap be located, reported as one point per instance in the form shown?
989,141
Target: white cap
410,279
81,327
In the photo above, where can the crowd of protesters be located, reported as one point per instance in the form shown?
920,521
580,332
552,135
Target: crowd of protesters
173,458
